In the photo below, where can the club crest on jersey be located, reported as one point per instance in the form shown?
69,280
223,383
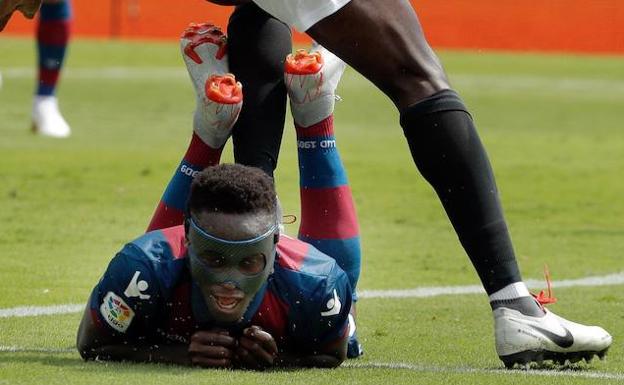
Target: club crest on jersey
136,288
333,306
116,312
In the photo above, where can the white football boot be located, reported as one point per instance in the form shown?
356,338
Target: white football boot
311,80
526,332
219,95
47,119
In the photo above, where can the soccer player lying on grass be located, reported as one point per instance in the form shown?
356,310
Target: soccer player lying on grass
310,81
28,8
225,289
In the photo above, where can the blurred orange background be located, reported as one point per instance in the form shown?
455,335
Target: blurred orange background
580,26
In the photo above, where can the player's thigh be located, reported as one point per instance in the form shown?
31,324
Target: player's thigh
383,40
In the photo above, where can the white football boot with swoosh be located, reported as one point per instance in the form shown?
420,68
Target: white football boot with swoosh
527,332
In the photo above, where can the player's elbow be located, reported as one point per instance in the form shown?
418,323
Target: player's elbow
84,345
335,361
84,349
328,361
333,357
340,355
86,337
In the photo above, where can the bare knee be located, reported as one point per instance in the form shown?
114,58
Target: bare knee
383,40
413,80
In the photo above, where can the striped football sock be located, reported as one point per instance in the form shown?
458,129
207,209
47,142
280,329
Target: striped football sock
53,33
328,217
170,210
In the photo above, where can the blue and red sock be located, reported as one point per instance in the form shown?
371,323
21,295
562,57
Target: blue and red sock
53,33
170,210
328,217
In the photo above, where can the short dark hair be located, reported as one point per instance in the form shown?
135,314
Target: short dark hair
232,189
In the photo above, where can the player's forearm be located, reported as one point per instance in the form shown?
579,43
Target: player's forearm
165,354
330,356
309,361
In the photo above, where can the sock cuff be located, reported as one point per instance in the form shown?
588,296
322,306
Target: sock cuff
201,154
511,291
446,100
323,128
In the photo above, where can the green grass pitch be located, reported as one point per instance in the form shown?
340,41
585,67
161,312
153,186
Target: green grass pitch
553,129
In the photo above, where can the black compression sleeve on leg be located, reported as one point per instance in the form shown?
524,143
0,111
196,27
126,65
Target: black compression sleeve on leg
257,48
448,152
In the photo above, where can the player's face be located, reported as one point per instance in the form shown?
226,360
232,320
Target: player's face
231,257
27,7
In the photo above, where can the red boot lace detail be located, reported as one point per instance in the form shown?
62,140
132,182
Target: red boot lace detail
542,298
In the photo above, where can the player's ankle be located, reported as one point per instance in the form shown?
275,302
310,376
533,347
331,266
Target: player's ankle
323,127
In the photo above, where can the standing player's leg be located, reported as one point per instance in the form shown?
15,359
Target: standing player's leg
257,46
383,40
219,101
328,217
53,33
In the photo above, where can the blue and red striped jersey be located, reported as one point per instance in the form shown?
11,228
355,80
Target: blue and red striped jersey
148,294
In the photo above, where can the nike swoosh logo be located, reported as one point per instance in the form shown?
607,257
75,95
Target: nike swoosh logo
562,341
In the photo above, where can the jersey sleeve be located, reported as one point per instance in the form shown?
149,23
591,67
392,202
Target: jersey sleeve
323,316
125,299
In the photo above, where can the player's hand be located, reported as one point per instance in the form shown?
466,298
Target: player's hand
256,349
28,8
212,348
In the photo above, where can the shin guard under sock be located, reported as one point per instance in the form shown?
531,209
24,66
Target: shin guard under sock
448,152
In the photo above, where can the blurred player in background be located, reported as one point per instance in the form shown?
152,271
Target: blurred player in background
221,291
383,40
53,32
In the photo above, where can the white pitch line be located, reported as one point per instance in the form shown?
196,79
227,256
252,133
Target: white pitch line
419,292
21,349
433,291
465,370
32,311
124,73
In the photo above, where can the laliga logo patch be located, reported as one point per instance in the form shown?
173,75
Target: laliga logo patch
333,306
116,312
